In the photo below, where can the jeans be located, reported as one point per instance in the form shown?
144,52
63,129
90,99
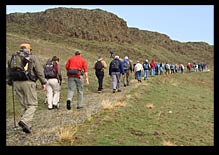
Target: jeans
145,74
152,71
139,76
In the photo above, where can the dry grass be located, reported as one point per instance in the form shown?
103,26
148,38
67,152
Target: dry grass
120,104
66,134
150,106
168,143
107,105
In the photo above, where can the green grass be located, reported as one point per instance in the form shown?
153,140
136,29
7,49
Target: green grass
191,122
189,96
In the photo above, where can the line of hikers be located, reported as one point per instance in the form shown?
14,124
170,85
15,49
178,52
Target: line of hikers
25,69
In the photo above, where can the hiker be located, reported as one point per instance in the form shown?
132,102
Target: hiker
172,68
99,67
157,66
53,75
189,66
127,66
25,87
134,70
153,65
176,68
181,68
161,68
115,71
138,70
146,67
111,53
75,66
167,68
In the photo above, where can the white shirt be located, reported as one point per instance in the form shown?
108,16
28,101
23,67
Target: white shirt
138,67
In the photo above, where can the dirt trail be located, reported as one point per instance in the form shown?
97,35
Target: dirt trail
47,123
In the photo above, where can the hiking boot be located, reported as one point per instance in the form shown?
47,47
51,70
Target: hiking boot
99,91
25,128
114,90
56,106
119,90
79,107
124,85
68,105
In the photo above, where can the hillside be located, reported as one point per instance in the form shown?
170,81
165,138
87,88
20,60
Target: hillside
166,110
99,31
122,114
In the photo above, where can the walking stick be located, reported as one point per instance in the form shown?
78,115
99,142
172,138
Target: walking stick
13,105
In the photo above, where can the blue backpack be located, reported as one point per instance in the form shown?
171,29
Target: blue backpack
126,64
146,66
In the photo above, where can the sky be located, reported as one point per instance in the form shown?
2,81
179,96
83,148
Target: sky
180,22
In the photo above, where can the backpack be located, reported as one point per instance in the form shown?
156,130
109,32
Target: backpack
98,65
126,65
146,66
20,66
49,69
115,64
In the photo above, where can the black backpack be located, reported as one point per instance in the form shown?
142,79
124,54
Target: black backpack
98,65
20,66
49,69
115,64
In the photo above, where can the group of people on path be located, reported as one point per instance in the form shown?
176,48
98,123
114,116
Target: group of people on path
24,77
28,70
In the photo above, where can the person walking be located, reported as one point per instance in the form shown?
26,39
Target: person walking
146,67
26,87
138,71
115,71
111,53
76,65
53,75
127,66
99,67
153,65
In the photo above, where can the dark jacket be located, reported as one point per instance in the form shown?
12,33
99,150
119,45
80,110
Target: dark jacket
120,70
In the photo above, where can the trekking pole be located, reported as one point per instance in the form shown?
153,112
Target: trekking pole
13,105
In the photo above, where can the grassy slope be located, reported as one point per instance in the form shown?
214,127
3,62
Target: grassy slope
167,110
190,123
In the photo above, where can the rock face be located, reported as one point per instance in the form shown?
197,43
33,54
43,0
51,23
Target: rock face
79,23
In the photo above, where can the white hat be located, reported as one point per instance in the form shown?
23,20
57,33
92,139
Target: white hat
116,57
146,60
126,57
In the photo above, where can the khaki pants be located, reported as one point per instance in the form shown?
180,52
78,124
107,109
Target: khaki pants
27,95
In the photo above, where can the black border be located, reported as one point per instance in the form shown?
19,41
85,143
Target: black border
93,149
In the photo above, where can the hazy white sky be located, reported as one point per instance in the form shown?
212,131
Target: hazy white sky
180,22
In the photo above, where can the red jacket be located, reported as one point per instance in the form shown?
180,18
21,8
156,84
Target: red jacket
76,62
152,64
